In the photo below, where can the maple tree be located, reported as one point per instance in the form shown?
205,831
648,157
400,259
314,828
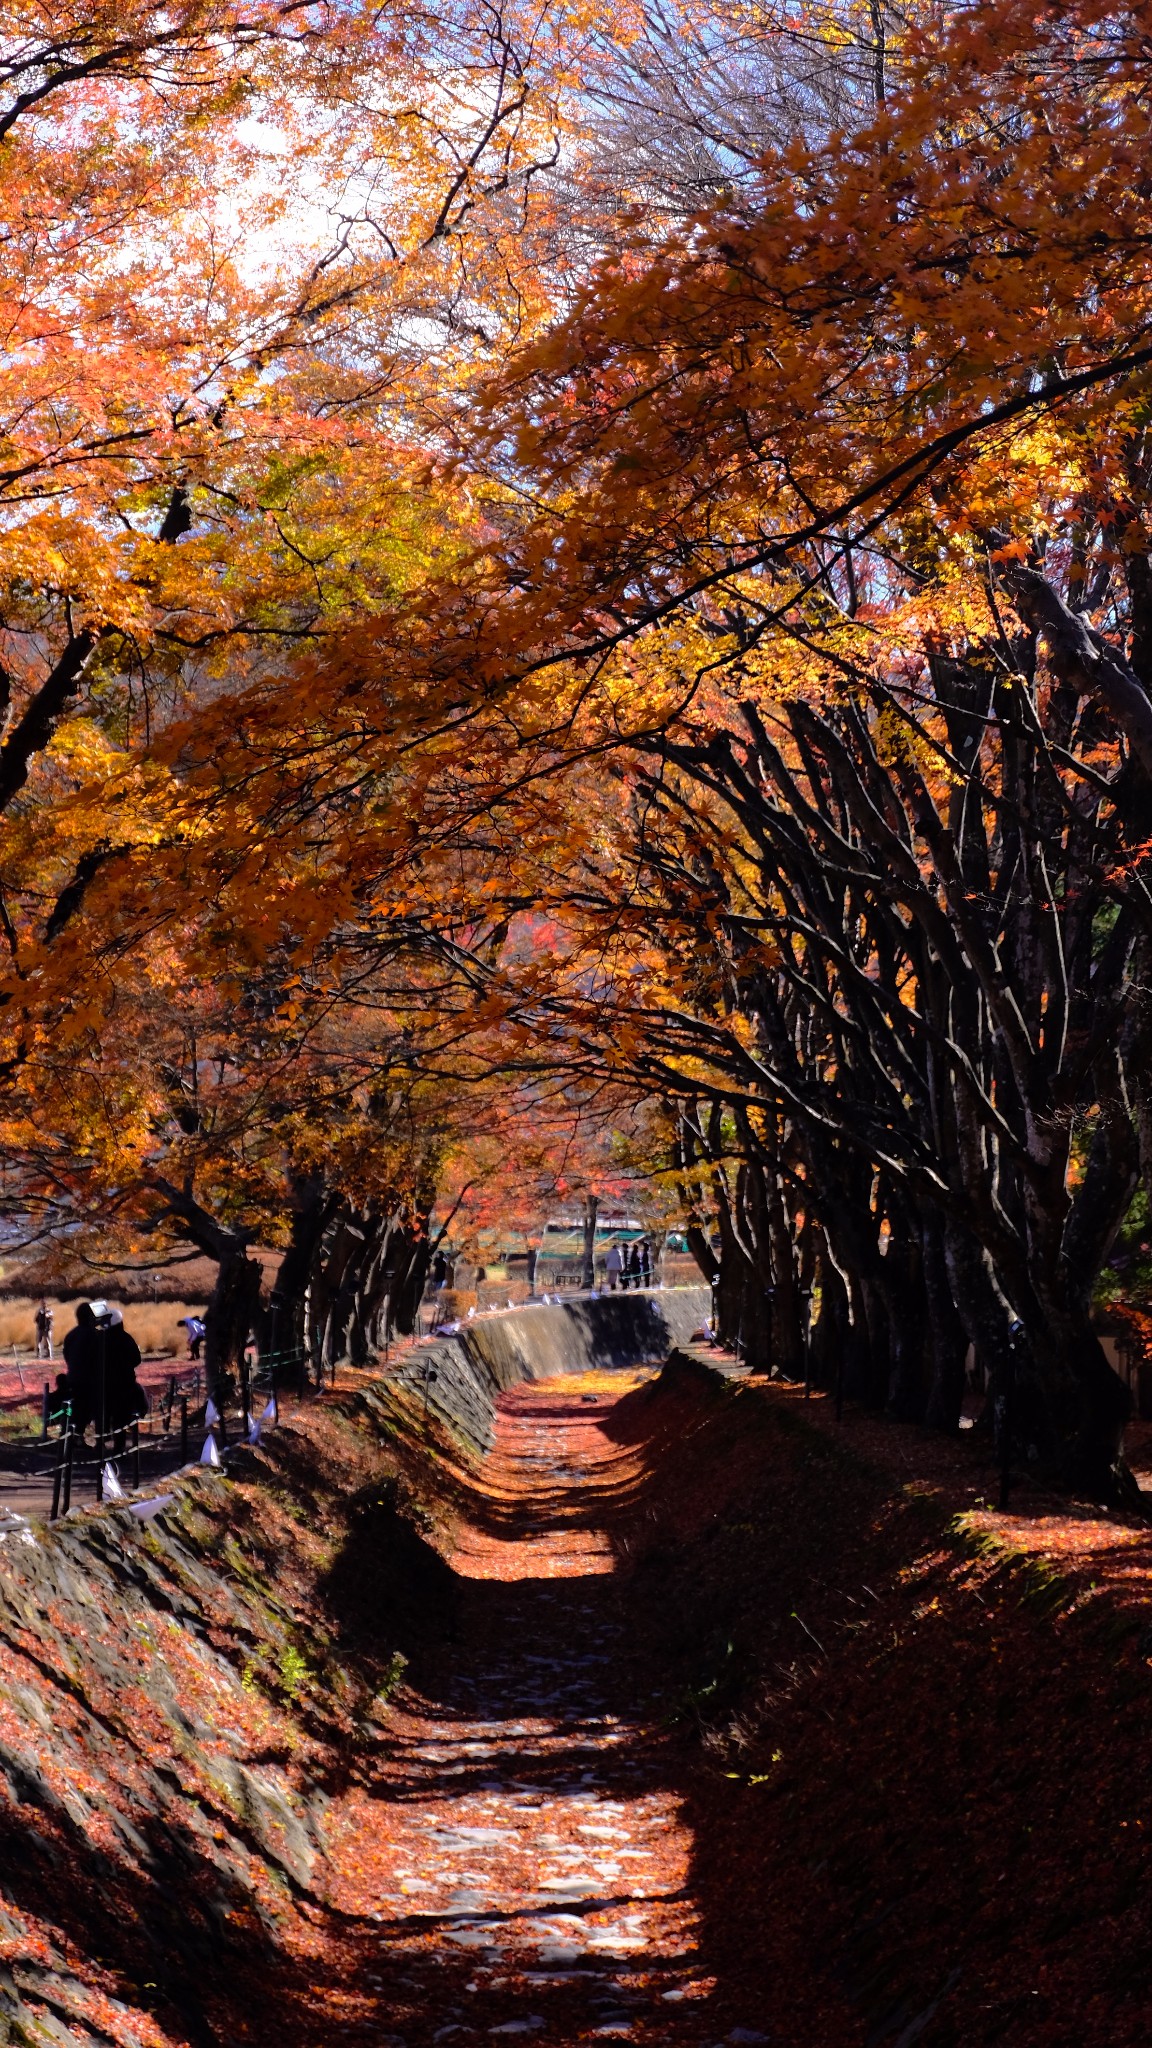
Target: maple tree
292,1111
205,399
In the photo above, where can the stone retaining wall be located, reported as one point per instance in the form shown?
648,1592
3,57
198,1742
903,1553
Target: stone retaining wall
461,1376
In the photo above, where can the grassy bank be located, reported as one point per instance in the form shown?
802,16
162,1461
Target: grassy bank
919,1728
179,1699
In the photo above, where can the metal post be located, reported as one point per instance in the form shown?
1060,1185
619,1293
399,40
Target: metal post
183,1429
57,1476
99,1467
588,1269
275,1395
246,1397
169,1404
69,1454
45,1412
136,1452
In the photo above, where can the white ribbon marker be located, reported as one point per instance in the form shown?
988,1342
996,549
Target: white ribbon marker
145,1509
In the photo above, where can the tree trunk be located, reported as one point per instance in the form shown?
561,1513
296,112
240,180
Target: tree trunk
234,1304
947,1337
831,1337
284,1322
1094,1461
788,1343
907,1317
1069,1410
408,1274
233,1310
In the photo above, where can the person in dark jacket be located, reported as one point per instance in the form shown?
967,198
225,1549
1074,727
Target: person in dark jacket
44,1330
632,1276
82,1358
124,1398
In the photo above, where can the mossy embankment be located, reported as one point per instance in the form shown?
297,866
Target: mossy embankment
180,1699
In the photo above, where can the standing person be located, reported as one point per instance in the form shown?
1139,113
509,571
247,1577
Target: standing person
82,1358
633,1265
439,1272
645,1263
124,1399
613,1265
44,1330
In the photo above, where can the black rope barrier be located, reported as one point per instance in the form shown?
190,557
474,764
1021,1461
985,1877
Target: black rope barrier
183,1397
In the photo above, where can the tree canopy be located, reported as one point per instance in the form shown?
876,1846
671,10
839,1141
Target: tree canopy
592,565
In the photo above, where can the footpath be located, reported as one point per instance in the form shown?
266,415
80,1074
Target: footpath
521,1851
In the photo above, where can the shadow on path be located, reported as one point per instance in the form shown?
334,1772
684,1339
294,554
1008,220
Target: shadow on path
516,1863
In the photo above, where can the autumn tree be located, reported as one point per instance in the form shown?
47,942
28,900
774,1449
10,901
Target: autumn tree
228,241
292,1108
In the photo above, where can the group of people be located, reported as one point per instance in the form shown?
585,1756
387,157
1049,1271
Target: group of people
100,1384
628,1265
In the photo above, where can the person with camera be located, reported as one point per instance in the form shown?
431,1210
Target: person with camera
44,1330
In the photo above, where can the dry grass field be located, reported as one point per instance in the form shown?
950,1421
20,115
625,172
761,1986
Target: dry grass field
153,1324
